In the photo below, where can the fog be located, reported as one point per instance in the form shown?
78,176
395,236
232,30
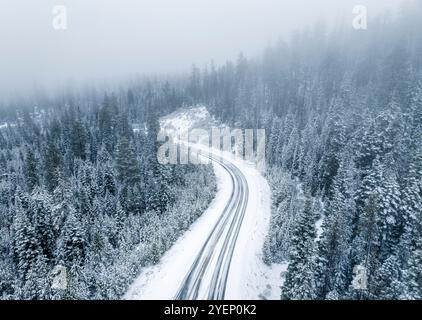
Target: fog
114,39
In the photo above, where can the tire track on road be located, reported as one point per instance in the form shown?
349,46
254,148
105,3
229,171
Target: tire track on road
224,233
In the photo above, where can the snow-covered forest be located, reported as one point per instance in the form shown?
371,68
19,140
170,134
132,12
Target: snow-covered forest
81,189
343,116
342,110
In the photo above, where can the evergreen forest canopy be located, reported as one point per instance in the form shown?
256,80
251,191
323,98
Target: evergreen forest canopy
342,111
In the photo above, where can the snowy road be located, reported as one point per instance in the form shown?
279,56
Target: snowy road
220,256
209,272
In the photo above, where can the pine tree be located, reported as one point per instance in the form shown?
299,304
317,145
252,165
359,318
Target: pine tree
387,282
63,197
93,148
31,170
412,277
274,145
300,281
411,208
124,129
78,140
366,245
335,141
37,281
334,260
127,166
40,206
106,174
52,163
26,248
107,122
72,245
390,220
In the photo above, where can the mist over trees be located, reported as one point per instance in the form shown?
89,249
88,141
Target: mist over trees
342,111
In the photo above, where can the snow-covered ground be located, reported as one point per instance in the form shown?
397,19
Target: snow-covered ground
6,124
187,119
163,280
249,277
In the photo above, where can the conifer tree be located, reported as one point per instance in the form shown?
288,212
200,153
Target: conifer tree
26,247
52,163
31,170
127,166
412,275
300,281
40,206
72,244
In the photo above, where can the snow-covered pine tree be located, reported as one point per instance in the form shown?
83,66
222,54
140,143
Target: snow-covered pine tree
366,245
412,275
71,249
52,163
78,138
334,135
300,281
127,166
334,250
62,202
40,206
37,285
31,170
388,280
26,247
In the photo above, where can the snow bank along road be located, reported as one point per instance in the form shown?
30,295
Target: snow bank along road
211,267
220,256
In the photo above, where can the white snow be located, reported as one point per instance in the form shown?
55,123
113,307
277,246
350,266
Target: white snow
318,227
249,277
320,221
6,124
187,118
163,280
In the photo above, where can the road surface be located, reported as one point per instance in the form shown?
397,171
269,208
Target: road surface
207,277
220,256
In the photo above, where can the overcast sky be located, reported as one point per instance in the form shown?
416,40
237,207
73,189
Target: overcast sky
112,39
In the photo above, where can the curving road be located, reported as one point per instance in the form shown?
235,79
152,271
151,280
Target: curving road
207,277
